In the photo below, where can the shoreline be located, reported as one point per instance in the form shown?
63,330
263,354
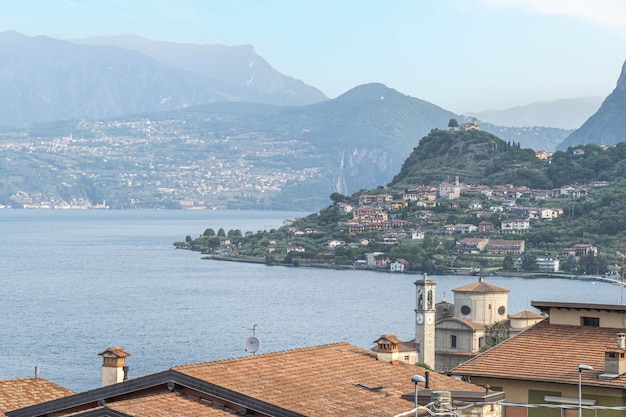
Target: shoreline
528,275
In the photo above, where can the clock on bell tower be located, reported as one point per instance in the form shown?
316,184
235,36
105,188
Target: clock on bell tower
425,312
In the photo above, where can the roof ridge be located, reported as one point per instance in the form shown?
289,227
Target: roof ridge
263,355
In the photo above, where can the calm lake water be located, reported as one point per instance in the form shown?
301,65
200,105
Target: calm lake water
77,282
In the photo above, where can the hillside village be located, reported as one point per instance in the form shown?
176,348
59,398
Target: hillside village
500,216
454,228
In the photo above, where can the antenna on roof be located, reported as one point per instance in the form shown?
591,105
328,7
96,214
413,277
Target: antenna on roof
36,372
252,343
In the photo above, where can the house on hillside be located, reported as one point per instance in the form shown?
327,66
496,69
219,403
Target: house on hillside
541,365
472,244
579,251
548,263
380,199
485,226
398,265
505,247
514,226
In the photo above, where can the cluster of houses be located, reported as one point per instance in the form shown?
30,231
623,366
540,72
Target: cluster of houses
376,217
373,210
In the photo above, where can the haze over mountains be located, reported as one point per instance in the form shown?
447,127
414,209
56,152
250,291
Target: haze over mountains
46,79
608,124
565,114
150,124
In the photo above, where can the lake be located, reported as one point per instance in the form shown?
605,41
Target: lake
78,281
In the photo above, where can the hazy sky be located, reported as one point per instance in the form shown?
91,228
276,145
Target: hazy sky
462,55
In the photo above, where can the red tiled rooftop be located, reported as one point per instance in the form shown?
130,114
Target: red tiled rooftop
548,352
526,314
327,380
169,405
23,392
481,287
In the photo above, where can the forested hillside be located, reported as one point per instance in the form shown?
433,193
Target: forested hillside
481,157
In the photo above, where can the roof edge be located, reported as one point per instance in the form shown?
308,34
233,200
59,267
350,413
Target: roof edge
545,306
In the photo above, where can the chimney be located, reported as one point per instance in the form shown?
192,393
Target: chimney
114,367
615,359
387,349
442,402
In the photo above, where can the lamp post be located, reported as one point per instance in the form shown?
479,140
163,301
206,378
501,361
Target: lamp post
416,379
581,368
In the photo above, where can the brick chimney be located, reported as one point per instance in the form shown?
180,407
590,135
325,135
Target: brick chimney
114,367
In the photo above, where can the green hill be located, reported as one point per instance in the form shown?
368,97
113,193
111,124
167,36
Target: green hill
596,215
474,156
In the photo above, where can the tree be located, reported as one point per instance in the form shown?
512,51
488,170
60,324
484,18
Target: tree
453,124
337,198
529,262
209,233
496,334
570,264
508,264
221,232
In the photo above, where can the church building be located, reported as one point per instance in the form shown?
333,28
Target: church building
450,334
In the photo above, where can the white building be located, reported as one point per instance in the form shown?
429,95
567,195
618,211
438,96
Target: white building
548,263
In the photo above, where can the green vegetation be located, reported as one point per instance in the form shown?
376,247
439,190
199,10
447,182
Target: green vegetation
596,217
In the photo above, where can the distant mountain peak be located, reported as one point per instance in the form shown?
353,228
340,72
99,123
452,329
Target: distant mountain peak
568,113
370,91
45,79
608,124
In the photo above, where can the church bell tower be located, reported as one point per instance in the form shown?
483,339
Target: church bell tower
425,312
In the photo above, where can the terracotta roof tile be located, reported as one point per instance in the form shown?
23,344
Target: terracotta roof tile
169,405
117,351
480,287
390,337
548,352
327,380
526,314
23,392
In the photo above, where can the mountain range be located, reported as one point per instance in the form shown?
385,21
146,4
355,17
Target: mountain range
45,79
235,155
564,114
152,124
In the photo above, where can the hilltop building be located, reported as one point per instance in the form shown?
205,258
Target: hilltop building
473,125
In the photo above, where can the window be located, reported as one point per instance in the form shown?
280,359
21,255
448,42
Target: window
453,341
406,358
465,310
590,321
